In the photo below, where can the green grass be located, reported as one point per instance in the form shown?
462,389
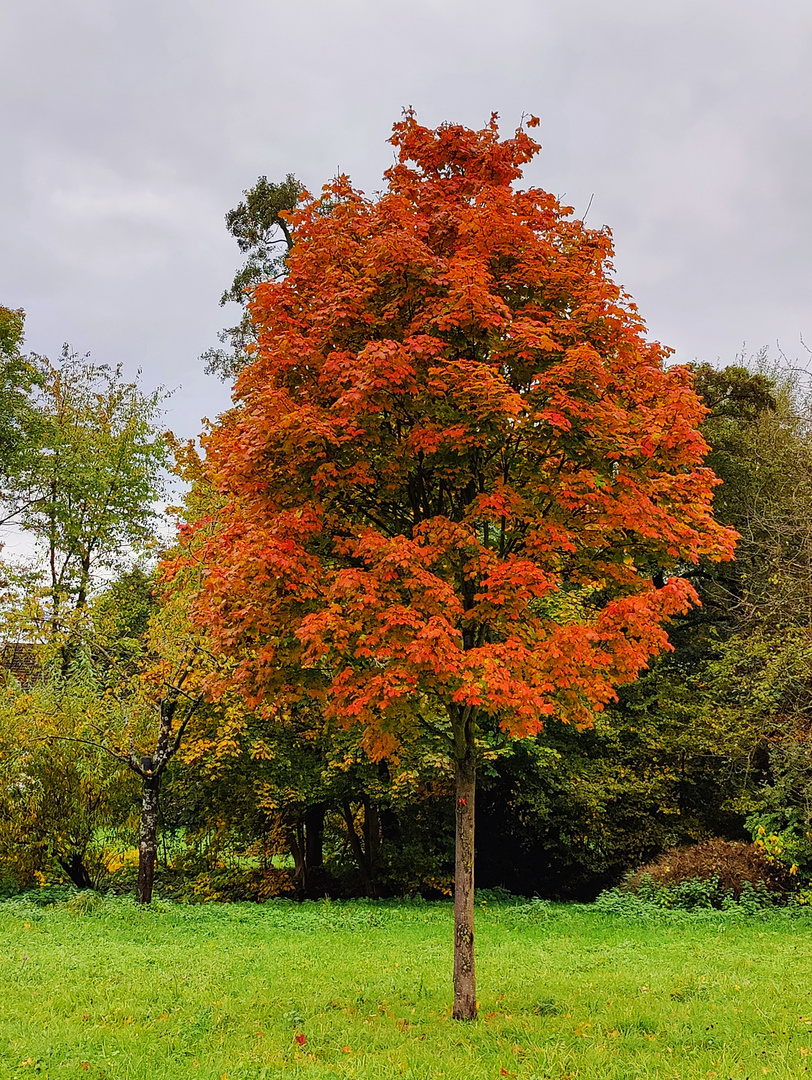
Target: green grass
202,992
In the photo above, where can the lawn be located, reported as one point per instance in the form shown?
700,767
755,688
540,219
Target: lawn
363,990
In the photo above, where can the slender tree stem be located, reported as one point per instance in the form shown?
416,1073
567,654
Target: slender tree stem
147,841
465,1007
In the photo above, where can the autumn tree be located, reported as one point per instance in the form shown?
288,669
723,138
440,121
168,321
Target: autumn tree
459,483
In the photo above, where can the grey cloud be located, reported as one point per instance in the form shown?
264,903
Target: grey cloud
129,130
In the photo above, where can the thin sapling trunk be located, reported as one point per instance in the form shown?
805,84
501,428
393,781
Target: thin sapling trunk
147,840
151,770
465,1007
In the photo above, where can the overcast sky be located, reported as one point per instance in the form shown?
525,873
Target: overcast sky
128,130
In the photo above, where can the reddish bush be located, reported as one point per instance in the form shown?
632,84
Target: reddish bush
732,862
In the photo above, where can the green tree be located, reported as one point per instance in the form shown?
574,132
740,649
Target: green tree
259,225
63,800
18,419
712,731
88,494
289,782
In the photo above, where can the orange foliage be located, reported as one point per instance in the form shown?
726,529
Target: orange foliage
455,466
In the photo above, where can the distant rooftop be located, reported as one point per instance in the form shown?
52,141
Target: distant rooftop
20,659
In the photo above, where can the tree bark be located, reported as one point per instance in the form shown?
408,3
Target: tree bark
147,840
464,974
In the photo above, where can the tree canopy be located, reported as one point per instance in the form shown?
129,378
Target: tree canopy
87,493
18,419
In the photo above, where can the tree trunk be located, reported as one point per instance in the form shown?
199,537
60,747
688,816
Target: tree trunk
464,974
296,842
76,870
361,860
147,841
372,834
364,853
306,842
314,835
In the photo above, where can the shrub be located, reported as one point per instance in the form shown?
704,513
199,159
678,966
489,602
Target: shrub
784,837
9,885
46,896
226,884
708,874
84,902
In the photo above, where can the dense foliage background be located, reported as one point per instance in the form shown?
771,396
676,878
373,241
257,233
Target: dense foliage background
113,702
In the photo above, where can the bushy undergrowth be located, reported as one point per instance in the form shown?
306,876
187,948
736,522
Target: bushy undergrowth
712,874
691,898
46,896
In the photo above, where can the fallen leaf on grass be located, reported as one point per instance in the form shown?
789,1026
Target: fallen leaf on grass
300,1039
